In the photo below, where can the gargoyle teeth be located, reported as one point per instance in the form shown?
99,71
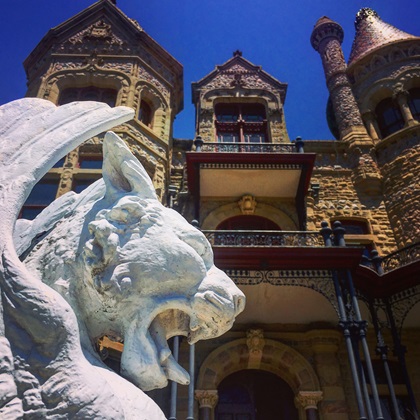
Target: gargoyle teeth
194,322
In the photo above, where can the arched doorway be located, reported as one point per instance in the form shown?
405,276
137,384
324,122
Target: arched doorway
255,395
247,222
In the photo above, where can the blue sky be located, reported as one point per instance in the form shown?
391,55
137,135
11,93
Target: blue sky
201,34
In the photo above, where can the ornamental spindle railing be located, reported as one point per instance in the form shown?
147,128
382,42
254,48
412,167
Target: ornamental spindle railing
248,148
401,257
263,238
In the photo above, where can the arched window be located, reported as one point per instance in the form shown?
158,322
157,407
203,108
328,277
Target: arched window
414,103
389,117
247,222
90,93
146,113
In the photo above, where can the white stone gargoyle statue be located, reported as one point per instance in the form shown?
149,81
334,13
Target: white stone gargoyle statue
109,261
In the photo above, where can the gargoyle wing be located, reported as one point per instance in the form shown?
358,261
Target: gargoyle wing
34,134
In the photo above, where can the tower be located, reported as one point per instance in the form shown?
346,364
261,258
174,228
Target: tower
100,54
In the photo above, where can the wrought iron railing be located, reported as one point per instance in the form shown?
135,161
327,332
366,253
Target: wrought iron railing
248,148
401,257
263,238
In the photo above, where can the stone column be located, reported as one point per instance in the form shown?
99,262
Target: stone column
207,400
326,38
371,124
325,348
309,401
402,99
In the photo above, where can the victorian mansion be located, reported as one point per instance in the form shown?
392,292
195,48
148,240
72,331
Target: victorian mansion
322,236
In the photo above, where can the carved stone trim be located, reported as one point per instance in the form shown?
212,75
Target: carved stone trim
309,399
206,398
247,204
255,340
318,280
249,166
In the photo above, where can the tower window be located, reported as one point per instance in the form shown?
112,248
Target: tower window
245,123
389,117
414,103
146,113
90,93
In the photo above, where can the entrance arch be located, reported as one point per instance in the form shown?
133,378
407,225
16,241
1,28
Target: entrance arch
264,355
255,395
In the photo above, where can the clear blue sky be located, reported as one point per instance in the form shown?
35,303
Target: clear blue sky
203,33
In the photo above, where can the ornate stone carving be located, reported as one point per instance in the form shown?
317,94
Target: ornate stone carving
247,204
309,399
100,31
96,266
255,341
206,398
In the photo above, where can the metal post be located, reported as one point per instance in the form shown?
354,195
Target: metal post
382,350
174,385
400,350
345,325
191,384
361,325
362,378
198,143
299,144
362,333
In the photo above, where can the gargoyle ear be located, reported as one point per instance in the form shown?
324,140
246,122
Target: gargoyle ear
122,172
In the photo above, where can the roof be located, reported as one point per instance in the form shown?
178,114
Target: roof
131,29
238,64
373,33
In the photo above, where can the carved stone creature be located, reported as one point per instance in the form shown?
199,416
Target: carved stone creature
113,261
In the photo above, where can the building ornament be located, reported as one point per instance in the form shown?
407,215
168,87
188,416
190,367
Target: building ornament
247,204
255,341
99,31
206,398
309,399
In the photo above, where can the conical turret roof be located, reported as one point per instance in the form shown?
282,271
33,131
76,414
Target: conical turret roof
372,33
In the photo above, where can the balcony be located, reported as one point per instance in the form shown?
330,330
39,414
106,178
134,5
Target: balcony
401,258
248,148
275,250
227,170
263,238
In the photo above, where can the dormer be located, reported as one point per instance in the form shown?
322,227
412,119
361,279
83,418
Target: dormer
238,102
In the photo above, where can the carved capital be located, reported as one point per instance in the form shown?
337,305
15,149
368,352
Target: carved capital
309,399
206,397
255,340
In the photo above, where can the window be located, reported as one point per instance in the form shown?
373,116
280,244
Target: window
43,194
146,113
355,227
359,229
60,163
91,93
414,103
389,117
241,123
90,162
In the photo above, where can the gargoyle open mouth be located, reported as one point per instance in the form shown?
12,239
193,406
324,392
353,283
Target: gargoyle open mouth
147,360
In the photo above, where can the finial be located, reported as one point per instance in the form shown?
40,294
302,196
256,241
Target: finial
237,53
363,14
